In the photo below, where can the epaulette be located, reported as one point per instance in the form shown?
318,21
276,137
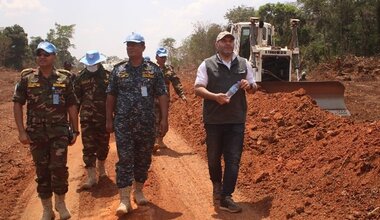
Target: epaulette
65,72
28,71
151,62
121,63
81,72
170,67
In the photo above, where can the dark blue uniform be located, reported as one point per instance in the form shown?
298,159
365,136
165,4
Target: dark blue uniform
134,122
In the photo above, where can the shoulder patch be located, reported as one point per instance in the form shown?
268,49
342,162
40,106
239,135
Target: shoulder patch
80,73
63,71
121,63
28,71
170,67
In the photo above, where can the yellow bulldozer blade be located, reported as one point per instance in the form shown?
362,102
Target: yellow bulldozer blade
329,95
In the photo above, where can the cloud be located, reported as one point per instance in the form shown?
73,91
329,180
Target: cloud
19,7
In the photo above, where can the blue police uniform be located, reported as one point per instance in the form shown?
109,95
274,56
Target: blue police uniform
134,121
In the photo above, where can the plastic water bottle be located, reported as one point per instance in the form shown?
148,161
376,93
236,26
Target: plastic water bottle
233,89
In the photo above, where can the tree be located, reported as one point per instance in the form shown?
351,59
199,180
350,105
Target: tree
169,43
347,26
34,41
5,48
200,45
30,52
15,54
279,15
60,37
239,14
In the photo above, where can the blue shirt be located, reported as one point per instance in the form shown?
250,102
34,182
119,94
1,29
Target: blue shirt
135,89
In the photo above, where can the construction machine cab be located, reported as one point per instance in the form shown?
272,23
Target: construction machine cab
275,66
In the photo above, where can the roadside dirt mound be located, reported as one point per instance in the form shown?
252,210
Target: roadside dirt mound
348,68
305,162
361,78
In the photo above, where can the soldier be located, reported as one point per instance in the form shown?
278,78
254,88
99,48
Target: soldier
49,95
90,88
170,77
130,111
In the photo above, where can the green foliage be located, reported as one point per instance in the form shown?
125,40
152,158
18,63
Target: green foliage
34,41
279,15
5,48
30,53
169,44
239,14
14,47
200,45
60,37
345,26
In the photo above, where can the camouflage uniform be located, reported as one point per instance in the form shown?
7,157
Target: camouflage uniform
90,88
134,118
47,126
170,77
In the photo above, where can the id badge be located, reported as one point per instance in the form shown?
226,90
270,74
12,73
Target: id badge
55,99
144,91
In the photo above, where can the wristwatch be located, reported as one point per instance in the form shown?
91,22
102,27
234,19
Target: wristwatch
76,132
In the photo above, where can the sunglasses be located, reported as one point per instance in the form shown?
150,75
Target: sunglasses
43,54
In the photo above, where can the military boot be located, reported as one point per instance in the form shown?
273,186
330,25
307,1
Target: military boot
138,194
125,204
60,206
48,213
102,168
91,178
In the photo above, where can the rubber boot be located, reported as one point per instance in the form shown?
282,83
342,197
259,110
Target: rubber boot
161,143
102,168
125,204
91,178
138,194
48,213
60,207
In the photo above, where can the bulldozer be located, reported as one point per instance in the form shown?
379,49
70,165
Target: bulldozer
278,68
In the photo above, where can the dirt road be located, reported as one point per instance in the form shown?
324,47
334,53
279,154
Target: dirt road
178,188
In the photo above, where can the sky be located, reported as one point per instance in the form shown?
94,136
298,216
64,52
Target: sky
104,25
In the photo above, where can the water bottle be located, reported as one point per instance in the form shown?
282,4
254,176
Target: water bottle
233,89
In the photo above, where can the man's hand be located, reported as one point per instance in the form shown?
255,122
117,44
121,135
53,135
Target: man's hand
221,98
250,88
244,84
109,126
24,138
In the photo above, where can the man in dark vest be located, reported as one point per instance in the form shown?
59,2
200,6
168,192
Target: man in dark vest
224,115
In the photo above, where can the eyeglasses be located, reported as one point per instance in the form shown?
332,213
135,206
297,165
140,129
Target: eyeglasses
43,54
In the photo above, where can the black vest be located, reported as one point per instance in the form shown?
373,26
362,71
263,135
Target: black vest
220,79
